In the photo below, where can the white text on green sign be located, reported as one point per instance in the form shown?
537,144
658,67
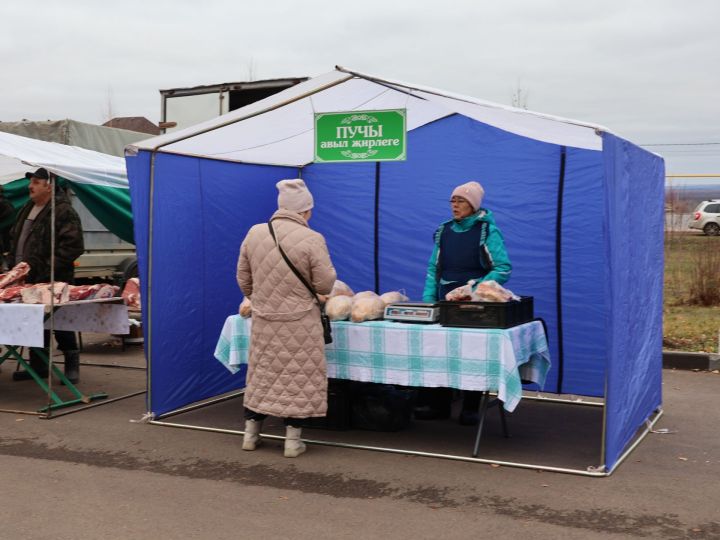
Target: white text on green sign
360,136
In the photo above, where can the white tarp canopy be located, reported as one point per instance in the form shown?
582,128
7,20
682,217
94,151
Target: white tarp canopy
20,154
278,130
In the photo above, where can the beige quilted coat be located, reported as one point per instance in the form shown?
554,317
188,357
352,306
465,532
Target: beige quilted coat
287,374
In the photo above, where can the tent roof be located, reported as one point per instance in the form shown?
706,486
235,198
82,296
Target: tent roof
20,154
278,130
108,140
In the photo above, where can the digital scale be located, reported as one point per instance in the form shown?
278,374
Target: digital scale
416,312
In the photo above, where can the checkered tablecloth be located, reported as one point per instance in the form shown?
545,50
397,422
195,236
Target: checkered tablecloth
420,355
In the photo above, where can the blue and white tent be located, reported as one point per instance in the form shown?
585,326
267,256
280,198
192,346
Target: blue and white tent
566,194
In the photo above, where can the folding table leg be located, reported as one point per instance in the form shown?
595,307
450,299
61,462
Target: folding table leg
483,410
58,402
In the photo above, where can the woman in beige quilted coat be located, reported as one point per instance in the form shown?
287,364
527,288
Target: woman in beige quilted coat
287,375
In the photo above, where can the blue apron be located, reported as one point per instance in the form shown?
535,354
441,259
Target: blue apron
460,256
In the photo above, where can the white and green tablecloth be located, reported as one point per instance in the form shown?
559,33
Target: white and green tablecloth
420,355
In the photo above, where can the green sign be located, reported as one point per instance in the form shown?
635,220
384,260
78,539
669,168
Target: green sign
360,136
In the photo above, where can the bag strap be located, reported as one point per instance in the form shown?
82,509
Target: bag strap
292,267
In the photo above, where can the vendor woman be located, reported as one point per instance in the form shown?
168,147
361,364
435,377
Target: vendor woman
468,246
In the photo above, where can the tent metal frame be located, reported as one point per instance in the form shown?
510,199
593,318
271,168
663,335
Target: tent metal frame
599,471
591,471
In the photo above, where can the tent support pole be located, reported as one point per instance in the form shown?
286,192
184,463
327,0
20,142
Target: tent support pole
200,405
558,267
590,471
377,228
604,423
531,466
648,429
148,335
566,401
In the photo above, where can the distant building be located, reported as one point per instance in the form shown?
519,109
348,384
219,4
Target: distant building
134,123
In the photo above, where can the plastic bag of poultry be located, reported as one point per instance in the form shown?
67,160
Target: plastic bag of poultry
369,308
340,288
364,294
245,308
485,291
393,297
460,294
492,291
338,308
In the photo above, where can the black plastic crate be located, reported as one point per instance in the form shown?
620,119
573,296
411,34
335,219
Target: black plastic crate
487,314
339,408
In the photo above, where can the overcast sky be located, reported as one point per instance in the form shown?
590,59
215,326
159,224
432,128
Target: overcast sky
647,70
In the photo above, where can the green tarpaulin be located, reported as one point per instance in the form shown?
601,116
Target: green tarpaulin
111,206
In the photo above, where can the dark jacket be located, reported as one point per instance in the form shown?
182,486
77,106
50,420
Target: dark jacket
68,241
7,218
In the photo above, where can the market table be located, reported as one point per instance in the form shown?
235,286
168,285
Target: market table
23,325
429,355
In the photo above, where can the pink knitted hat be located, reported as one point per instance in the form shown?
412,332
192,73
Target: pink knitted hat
472,192
294,195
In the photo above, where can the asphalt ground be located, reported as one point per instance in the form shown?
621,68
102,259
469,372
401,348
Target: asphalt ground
99,473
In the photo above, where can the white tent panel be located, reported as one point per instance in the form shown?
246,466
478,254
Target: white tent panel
517,121
284,136
70,162
11,169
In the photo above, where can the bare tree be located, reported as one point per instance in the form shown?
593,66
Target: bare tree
519,97
251,69
108,111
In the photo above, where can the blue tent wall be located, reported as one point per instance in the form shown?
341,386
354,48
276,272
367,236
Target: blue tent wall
344,207
203,208
633,248
584,307
201,212
521,180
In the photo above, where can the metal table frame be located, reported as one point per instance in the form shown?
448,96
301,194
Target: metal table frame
54,372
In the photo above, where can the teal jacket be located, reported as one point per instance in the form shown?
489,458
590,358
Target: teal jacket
494,248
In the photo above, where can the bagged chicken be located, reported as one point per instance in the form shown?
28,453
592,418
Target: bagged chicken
492,291
340,288
393,297
460,294
485,291
364,294
338,308
245,308
368,308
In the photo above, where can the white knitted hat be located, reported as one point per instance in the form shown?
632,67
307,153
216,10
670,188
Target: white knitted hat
294,195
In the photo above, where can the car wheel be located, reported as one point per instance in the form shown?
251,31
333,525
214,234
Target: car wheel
712,229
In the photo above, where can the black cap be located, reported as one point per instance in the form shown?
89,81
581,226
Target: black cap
41,173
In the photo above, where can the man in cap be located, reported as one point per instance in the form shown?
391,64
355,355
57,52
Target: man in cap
31,243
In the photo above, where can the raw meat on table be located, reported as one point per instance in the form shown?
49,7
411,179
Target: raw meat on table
16,275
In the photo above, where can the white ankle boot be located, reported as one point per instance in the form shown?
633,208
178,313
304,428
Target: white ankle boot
293,445
252,438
